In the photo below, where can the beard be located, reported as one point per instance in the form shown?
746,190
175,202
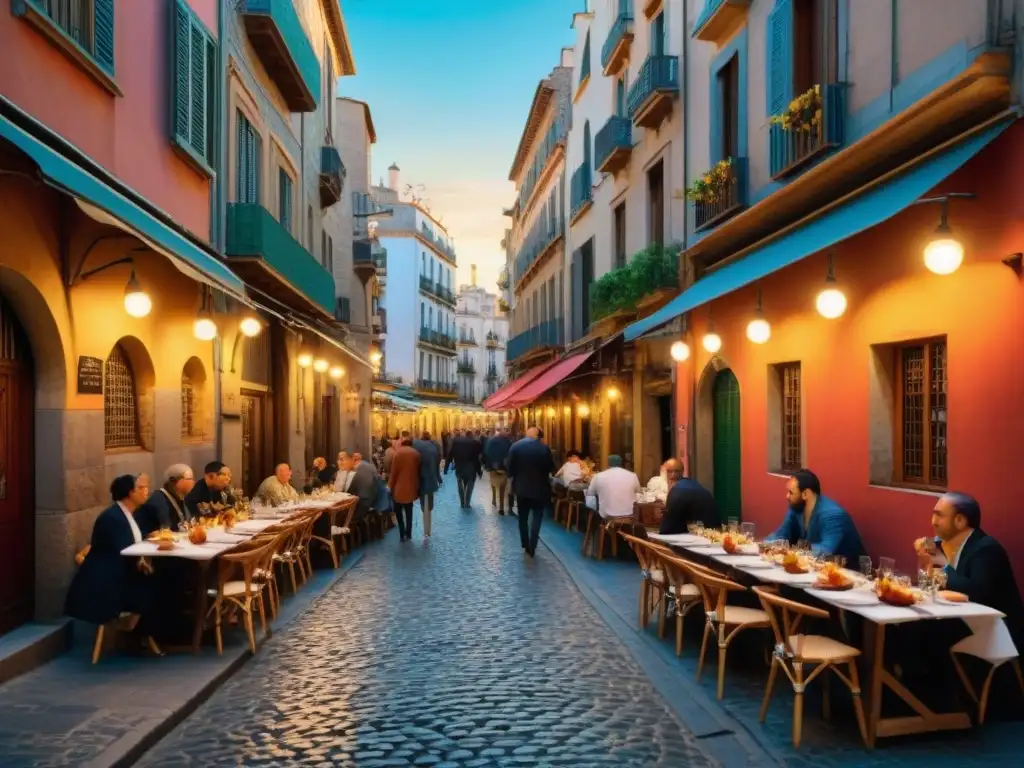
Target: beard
799,505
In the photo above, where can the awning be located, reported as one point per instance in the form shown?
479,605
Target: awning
69,177
868,209
396,402
550,378
496,401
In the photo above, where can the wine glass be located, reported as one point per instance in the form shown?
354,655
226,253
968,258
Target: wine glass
866,568
886,566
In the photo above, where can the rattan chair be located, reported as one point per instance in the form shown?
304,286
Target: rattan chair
234,593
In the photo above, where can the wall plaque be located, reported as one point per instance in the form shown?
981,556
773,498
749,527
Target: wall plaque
90,376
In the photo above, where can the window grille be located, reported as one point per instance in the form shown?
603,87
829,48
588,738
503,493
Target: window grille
120,402
189,417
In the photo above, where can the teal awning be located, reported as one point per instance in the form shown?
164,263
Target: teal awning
400,403
80,183
862,212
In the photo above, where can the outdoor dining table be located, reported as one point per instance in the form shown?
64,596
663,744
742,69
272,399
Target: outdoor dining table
219,541
981,619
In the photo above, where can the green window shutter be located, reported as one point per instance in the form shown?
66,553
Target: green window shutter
197,87
193,85
241,166
255,153
780,56
284,192
180,76
103,33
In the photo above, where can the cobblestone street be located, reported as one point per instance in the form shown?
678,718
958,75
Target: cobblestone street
456,652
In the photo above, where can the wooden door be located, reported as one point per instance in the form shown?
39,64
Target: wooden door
254,443
727,444
17,474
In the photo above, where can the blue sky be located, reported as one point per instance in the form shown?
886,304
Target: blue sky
449,83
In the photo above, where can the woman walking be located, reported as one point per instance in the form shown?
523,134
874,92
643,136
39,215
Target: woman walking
404,482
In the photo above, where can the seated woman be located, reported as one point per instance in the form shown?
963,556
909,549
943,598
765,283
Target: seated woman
109,584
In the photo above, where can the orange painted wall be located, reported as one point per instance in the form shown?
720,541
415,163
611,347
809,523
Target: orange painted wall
129,135
892,297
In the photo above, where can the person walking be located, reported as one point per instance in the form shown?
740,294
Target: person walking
404,483
430,476
465,455
530,465
495,456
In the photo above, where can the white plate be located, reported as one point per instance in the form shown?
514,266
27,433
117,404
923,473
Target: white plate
748,561
851,596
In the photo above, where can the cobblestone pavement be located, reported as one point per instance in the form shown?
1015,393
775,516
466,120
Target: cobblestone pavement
454,652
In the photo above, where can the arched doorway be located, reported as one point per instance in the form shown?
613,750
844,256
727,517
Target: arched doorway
726,442
17,473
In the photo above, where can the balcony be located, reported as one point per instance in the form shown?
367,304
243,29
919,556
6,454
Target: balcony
581,192
266,256
436,388
446,249
492,372
387,378
653,91
377,324
467,340
719,19
547,335
362,259
545,157
467,367
437,339
332,176
379,254
494,341
729,201
342,310
280,42
537,244
613,145
615,51
794,149
436,290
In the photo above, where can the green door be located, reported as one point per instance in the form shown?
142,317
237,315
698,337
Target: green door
727,444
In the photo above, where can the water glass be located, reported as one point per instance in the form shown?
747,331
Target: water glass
747,529
886,566
734,524
866,568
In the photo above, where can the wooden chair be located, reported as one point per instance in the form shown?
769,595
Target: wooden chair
724,621
336,531
241,593
966,646
680,589
793,650
652,587
561,494
577,503
278,538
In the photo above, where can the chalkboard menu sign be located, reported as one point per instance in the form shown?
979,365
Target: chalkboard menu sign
90,376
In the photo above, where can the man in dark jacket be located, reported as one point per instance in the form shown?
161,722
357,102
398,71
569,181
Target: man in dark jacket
530,465
211,489
688,502
430,476
495,456
465,455
166,507
108,584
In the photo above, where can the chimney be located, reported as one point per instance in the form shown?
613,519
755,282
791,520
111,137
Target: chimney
472,275
393,177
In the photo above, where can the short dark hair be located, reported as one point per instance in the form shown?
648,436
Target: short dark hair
572,452
807,481
405,434
214,467
425,435
965,505
122,487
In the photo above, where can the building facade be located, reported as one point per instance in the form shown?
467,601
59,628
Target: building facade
482,335
850,260
158,287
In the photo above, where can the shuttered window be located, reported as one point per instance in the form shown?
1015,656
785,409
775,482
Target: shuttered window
780,56
193,87
247,161
284,199
89,23
585,63
922,413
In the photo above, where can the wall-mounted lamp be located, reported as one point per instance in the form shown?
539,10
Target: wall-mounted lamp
612,393
320,365
204,328
250,326
136,301
305,359
759,330
711,342
336,372
831,302
583,410
944,253
680,351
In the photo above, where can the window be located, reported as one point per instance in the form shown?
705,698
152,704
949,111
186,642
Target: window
422,371
729,90
791,436
619,232
620,96
658,35
330,255
803,43
284,201
423,319
585,61
323,248
655,204
587,277
88,23
249,145
120,402
193,86
921,413
587,161
193,380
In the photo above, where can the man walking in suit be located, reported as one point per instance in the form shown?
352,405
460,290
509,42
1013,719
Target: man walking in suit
430,476
529,468
465,455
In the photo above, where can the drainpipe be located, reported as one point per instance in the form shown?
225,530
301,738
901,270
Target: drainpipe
218,203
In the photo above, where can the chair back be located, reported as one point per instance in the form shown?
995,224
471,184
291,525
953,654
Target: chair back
714,588
785,616
641,548
648,513
247,558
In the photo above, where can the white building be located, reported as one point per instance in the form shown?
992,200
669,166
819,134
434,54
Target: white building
481,338
419,299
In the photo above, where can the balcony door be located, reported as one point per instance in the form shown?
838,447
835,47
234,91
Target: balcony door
656,203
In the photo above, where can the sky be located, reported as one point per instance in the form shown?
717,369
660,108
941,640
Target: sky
449,84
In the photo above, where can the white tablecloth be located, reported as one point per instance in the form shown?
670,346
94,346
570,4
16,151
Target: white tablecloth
184,549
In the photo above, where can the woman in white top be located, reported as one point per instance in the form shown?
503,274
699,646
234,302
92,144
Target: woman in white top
572,470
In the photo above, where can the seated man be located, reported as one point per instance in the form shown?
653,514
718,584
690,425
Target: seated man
818,520
613,491
322,474
277,489
688,501
975,563
166,507
108,584
572,470
211,489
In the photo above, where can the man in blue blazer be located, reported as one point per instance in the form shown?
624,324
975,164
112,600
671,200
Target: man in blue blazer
530,466
818,520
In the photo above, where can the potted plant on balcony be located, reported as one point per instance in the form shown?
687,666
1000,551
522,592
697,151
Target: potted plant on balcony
803,115
504,305
713,185
655,275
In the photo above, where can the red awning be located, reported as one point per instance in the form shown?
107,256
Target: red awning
496,402
550,378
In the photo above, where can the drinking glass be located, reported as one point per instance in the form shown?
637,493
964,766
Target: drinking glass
691,528
734,524
886,565
747,529
865,567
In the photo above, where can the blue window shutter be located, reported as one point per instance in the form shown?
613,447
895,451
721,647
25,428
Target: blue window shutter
103,33
780,56
181,104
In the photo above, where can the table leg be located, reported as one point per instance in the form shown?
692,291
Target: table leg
202,575
875,676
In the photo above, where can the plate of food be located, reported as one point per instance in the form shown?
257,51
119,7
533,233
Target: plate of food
892,592
949,597
794,563
831,578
